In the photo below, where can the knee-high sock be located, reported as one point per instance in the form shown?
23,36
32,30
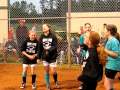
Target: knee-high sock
55,77
47,79
33,78
111,89
24,77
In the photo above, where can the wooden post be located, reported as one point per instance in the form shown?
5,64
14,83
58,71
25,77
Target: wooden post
68,32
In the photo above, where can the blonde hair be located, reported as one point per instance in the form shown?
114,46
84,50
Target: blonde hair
31,31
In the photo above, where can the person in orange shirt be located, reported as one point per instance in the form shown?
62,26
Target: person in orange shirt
10,46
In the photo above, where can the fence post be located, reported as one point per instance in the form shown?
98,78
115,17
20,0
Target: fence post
68,32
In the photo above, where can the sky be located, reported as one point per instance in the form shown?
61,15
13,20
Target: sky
35,2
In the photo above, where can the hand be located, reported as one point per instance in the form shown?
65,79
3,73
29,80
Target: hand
46,52
48,47
14,50
111,53
38,61
5,49
31,57
78,50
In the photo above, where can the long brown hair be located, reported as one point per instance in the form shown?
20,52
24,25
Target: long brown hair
117,36
94,38
112,28
49,26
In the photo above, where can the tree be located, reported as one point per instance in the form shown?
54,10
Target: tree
22,10
23,6
31,9
16,4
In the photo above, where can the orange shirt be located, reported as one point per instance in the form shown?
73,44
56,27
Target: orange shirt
10,34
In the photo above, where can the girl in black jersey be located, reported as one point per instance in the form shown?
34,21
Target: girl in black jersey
48,53
29,55
91,71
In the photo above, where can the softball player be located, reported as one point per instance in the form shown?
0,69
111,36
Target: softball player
29,55
48,53
91,73
112,48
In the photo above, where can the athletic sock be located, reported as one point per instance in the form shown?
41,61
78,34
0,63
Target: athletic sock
47,79
33,78
111,89
55,77
24,77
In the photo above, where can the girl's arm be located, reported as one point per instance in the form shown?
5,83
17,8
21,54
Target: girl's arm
111,53
31,57
40,48
54,45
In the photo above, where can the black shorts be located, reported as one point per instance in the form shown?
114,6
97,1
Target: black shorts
26,60
110,73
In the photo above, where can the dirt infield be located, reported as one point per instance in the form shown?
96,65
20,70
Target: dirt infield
10,78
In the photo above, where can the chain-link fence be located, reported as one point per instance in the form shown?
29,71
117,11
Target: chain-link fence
54,12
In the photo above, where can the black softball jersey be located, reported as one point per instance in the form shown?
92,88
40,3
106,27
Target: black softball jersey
92,69
30,47
47,49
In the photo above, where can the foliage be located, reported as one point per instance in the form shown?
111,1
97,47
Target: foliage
58,8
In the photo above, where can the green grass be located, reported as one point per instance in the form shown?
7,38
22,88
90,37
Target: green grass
10,59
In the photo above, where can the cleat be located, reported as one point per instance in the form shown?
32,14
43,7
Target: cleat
80,88
48,88
57,85
22,85
33,86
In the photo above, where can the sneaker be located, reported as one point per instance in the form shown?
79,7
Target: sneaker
48,88
22,85
80,88
33,86
57,85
